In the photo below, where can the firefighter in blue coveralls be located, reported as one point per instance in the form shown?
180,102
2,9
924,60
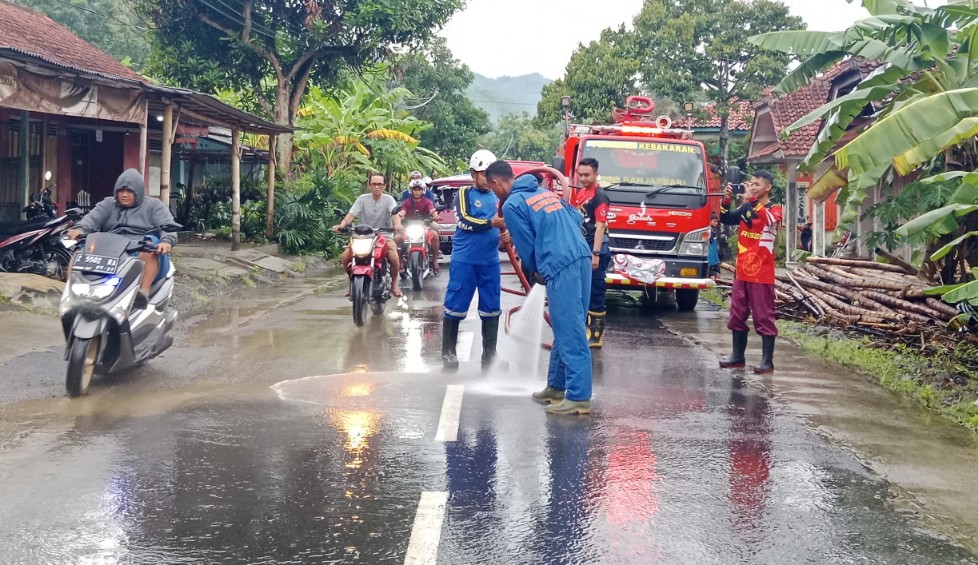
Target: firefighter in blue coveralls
475,263
546,231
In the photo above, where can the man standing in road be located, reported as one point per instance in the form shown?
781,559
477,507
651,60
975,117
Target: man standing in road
475,263
547,233
753,287
593,203
375,210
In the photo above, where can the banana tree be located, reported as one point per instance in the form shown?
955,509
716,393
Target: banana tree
924,96
359,128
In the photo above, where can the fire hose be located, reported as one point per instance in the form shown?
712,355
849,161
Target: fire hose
514,257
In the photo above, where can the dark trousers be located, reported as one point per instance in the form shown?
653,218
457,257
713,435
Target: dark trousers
599,284
755,299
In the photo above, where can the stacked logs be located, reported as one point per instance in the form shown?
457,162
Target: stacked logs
859,293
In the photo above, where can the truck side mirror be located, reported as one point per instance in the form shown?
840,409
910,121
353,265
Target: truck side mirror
559,163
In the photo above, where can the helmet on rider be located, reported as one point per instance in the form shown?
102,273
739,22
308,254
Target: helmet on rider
426,181
481,160
415,175
416,183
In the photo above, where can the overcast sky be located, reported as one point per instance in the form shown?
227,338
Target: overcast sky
518,37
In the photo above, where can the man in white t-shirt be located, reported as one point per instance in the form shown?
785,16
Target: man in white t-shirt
374,210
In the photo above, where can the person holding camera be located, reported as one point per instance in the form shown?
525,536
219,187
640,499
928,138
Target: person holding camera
753,287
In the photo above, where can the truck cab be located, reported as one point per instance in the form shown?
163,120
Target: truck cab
656,178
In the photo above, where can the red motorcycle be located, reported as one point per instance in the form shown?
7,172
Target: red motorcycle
370,273
416,256
38,246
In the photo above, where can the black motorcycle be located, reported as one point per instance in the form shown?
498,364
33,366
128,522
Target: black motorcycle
38,246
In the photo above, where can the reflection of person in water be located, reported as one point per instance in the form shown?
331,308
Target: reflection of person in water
750,455
568,441
470,471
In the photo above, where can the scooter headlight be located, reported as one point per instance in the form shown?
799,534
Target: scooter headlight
415,232
98,291
362,246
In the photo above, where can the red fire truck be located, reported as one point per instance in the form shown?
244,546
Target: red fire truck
656,177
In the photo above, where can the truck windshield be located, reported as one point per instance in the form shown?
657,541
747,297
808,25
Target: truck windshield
644,163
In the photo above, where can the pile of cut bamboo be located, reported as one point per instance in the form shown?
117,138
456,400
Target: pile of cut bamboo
886,298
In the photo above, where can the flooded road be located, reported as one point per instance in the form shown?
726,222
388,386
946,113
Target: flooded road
277,432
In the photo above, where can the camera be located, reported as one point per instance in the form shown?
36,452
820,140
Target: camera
735,178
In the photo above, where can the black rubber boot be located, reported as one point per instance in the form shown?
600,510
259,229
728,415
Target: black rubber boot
767,355
449,338
490,331
595,329
736,358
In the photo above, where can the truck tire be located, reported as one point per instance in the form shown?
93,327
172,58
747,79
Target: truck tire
686,299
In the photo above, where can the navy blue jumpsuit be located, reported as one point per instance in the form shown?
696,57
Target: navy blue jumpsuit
475,256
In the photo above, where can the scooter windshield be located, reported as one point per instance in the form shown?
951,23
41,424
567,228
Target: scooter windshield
106,244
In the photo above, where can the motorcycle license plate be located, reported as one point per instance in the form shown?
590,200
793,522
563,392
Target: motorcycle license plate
96,264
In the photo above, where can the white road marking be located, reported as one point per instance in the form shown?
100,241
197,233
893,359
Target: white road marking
451,410
464,347
426,533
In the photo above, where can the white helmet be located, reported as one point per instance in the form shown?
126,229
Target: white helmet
416,182
481,160
427,181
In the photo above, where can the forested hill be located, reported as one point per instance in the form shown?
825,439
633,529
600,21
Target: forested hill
507,95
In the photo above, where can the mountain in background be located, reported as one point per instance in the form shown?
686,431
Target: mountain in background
507,95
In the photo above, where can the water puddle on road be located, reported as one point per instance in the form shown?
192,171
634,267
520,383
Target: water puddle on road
516,371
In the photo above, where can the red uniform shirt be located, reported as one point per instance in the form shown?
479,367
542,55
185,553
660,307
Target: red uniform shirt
755,241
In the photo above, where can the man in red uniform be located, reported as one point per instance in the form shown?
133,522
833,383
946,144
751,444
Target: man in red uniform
753,288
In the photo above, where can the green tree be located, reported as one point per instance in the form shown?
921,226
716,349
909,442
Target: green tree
275,47
439,81
598,77
701,46
110,25
517,137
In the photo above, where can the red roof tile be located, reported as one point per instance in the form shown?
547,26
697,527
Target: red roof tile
788,110
741,116
34,33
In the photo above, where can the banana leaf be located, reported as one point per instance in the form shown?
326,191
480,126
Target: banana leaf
831,181
799,42
808,70
937,222
918,125
965,129
882,7
943,251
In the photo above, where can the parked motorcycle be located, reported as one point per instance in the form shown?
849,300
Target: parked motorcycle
418,262
41,205
38,246
104,332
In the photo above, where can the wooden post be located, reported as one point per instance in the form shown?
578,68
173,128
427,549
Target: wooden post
791,214
167,153
25,158
144,145
235,189
270,197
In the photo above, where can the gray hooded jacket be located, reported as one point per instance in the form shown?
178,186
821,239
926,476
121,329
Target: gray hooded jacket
147,215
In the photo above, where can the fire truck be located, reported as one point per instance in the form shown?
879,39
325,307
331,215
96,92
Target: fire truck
656,177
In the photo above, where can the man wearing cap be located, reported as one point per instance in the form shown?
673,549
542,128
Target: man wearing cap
475,262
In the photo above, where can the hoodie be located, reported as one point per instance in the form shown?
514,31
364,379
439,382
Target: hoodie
545,229
146,215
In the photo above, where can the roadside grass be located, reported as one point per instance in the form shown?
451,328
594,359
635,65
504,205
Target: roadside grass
942,381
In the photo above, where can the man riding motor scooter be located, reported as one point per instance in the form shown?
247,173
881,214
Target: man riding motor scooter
417,207
131,212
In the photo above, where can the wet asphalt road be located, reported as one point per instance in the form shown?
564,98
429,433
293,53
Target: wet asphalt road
277,432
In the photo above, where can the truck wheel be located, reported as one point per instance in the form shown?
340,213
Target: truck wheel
686,299
82,355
